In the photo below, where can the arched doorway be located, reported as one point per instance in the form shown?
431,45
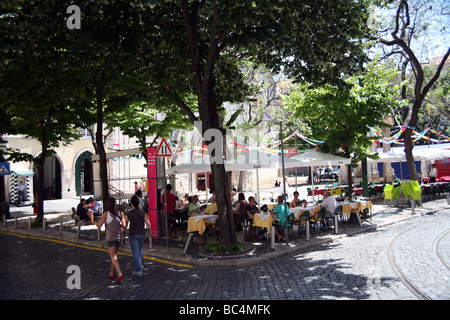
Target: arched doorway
83,174
52,179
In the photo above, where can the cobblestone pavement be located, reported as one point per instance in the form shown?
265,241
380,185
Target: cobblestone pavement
406,260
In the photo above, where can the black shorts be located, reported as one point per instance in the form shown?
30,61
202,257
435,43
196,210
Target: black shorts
113,243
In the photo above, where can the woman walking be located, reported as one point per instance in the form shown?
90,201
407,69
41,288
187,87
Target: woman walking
136,217
114,223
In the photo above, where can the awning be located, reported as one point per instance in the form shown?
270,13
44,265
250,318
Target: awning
21,171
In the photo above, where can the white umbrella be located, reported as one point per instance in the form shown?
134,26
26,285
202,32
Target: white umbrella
313,158
422,152
316,158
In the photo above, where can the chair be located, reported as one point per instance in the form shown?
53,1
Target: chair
184,224
416,190
309,192
366,214
388,192
339,214
437,191
320,217
290,223
213,227
302,219
431,192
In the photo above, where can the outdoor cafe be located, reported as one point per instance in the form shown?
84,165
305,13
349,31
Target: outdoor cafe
352,208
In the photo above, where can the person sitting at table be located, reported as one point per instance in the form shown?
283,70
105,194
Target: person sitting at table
186,202
329,203
212,208
241,206
296,202
194,206
251,208
282,211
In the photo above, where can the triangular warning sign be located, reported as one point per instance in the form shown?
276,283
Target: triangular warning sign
164,149
3,170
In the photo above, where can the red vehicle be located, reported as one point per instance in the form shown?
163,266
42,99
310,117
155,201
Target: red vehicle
443,169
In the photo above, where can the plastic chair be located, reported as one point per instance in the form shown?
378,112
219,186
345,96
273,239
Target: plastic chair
214,227
416,190
290,223
320,217
339,214
302,219
184,224
389,192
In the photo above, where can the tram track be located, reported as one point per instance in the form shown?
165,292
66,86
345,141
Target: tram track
437,248
398,272
401,275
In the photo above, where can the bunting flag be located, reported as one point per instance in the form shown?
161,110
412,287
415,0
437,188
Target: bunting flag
272,147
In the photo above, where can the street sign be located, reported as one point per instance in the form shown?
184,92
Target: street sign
4,169
164,149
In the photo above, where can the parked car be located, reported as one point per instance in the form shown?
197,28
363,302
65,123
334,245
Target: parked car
328,173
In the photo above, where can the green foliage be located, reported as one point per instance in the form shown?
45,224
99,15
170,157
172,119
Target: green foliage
219,247
341,117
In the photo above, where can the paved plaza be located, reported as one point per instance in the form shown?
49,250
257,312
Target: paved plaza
395,255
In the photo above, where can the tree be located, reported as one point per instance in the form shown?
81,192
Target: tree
342,117
32,92
193,45
140,120
102,65
405,27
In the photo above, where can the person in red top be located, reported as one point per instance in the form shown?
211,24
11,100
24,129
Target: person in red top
171,214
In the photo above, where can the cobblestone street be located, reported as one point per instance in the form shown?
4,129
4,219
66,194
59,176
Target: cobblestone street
405,260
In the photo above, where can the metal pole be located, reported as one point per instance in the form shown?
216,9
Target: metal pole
188,243
358,218
150,240
60,227
336,228
43,225
272,238
307,230
165,204
284,184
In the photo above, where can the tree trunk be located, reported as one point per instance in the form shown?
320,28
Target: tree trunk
222,186
41,165
349,172
3,209
99,142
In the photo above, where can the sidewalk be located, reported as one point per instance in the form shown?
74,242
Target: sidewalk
57,211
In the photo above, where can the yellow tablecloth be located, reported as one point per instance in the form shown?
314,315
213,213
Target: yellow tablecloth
263,220
347,207
312,211
198,223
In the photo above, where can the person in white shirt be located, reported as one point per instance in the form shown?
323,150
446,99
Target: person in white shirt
433,173
329,203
